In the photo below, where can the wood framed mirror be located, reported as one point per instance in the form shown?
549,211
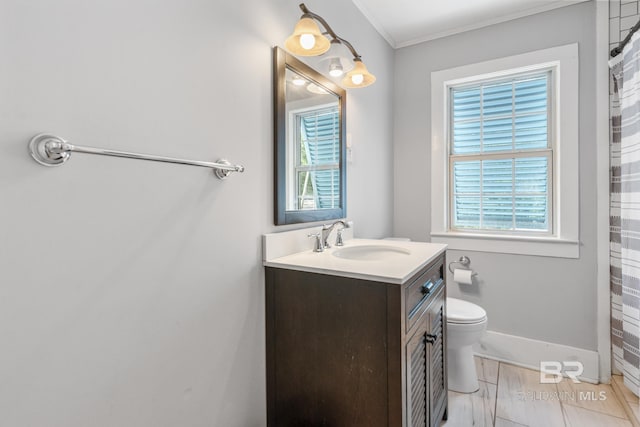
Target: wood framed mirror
310,143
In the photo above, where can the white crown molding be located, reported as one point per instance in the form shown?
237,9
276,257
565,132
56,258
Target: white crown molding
374,22
496,20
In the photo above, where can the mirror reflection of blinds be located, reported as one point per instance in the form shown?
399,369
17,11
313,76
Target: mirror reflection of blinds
500,156
321,140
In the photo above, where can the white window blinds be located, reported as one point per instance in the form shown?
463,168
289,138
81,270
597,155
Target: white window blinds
318,157
500,162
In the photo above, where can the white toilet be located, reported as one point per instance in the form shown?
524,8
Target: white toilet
466,322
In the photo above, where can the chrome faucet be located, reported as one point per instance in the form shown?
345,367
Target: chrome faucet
328,228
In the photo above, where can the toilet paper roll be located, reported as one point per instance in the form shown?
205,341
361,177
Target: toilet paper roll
462,276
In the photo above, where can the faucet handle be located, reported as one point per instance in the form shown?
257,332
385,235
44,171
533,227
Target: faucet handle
317,246
339,241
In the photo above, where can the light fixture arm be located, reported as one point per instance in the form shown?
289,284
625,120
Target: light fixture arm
335,38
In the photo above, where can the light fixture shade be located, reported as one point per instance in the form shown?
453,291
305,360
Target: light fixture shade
298,81
359,76
307,27
335,68
318,90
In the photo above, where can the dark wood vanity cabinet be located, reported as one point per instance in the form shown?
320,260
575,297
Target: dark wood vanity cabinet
346,352
425,362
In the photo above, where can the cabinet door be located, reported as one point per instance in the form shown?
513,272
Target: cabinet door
436,340
418,378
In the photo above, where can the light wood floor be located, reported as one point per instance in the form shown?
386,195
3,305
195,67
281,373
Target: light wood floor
511,396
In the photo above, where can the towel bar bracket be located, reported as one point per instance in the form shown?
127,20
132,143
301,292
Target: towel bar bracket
50,150
47,150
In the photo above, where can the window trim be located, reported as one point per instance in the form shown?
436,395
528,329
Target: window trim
564,239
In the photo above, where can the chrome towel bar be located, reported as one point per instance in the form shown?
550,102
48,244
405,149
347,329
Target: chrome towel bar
51,150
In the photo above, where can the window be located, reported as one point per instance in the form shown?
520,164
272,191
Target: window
504,154
500,155
317,158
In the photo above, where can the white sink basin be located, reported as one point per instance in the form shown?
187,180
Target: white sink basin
371,252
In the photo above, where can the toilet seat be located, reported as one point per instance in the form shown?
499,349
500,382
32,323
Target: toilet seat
464,312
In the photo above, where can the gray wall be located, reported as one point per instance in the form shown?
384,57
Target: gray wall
131,293
548,299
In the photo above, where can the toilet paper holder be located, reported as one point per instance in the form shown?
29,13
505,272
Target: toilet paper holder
465,262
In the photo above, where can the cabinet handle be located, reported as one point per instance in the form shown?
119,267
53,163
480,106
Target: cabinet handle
430,338
426,288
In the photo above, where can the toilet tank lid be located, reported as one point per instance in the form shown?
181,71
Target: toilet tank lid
459,311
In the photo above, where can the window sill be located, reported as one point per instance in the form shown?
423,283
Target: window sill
518,245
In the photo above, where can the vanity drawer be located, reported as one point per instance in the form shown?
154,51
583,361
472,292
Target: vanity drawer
420,290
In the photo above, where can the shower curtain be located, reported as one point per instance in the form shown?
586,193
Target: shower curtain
625,213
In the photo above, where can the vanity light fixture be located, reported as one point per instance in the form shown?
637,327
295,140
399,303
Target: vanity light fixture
314,88
335,68
298,81
307,40
359,76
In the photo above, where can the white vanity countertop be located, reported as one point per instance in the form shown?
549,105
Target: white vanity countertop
398,268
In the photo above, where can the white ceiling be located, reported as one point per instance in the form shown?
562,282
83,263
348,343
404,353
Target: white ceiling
407,22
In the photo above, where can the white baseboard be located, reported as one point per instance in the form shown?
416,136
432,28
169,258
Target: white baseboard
528,353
